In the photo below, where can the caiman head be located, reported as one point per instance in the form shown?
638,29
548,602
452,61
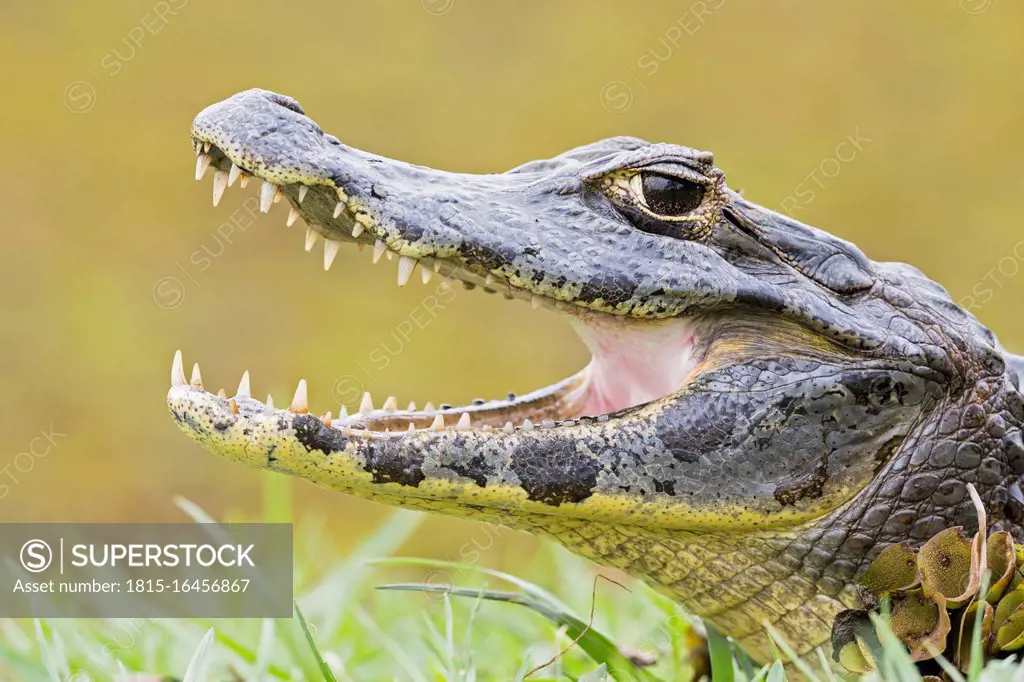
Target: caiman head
765,408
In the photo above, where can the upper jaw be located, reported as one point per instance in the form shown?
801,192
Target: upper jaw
537,233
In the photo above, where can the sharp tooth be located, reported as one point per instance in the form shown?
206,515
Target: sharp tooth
426,274
278,195
489,280
437,424
232,406
389,254
391,404
244,181
243,386
206,147
338,208
177,370
437,267
366,406
302,192
269,409
202,163
221,393
464,422
536,301
233,174
412,407
311,237
508,428
378,250
293,215
343,413
197,379
220,183
527,425
267,192
429,407
331,249
327,420
412,427
300,403
357,229
405,267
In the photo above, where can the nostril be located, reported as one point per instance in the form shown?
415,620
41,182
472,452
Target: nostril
286,102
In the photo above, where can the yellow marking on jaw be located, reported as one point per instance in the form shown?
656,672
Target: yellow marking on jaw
250,437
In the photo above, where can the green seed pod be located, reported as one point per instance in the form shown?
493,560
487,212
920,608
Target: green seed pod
894,570
1006,606
1010,636
950,565
856,657
922,624
1002,562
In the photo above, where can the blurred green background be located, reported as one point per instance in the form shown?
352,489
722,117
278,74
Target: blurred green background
103,222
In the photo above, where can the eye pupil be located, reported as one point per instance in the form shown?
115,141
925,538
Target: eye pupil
669,196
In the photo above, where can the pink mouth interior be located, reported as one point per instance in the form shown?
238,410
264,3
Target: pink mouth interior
634,361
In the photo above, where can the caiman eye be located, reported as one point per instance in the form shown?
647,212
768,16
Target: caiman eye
666,195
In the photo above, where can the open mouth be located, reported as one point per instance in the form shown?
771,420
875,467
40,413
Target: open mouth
634,360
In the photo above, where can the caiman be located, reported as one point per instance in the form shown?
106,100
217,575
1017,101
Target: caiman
765,409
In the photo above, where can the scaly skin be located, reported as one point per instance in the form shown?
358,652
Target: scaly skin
767,409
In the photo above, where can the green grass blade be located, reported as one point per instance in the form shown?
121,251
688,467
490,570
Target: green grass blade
977,660
264,650
261,667
196,670
800,664
598,674
526,586
720,653
826,667
49,655
325,670
776,673
591,641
